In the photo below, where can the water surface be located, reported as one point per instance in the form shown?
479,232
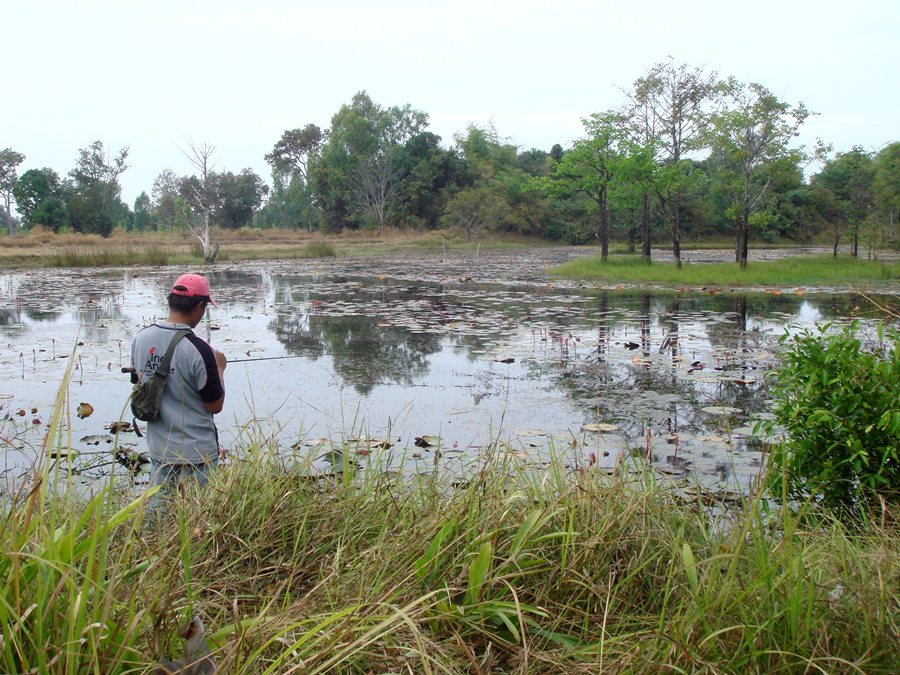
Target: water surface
421,353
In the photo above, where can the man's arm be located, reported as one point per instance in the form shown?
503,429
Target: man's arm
217,405
208,374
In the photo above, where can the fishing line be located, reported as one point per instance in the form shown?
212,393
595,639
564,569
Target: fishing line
266,358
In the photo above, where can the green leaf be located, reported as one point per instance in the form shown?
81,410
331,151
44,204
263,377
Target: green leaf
428,562
690,567
478,571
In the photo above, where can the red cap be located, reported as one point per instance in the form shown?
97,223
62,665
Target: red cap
193,286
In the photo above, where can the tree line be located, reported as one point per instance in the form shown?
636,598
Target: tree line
685,154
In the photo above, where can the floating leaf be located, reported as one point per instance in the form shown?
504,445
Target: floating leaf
120,427
721,410
63,453
333,457
531,432
711,438
84,410
131,460
599,426
97,439
426,441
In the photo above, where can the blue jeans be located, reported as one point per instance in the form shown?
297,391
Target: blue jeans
170,476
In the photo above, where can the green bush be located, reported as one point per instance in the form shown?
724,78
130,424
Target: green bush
838,401
578,235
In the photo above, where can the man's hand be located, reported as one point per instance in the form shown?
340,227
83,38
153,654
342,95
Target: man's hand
221,361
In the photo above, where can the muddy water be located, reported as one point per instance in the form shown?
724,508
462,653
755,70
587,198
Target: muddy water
420,353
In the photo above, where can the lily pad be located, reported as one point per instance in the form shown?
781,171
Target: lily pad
97,439
531,432
63,453
84,410
721,410
599,426
332,457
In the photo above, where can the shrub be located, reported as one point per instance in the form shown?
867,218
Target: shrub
838,401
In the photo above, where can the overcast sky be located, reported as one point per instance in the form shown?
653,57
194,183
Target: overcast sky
237,73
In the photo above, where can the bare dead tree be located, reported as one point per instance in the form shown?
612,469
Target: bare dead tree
200,195
373,186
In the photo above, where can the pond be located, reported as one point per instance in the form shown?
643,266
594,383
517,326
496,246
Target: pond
439,359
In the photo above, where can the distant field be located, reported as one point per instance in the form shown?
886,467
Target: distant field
46,249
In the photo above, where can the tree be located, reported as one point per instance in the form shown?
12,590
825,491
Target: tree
294,150
199,193
95,204
642,126
290,203
359,170
9,163
474,210
849,177
675,100
291,157
750,134
237,197
143,213
496,167
589,168
886,184
429,176
165,200
39,199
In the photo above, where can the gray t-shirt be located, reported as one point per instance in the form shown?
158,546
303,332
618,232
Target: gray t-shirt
185,432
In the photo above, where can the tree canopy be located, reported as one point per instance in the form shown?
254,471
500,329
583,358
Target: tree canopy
685,155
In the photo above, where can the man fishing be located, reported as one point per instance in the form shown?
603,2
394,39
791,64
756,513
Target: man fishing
182,440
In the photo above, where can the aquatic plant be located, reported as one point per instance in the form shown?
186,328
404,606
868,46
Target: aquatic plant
837,397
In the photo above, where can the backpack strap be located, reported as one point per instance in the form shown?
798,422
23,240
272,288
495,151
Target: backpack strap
163,368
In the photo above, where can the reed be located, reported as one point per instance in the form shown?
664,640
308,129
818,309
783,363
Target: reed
524,568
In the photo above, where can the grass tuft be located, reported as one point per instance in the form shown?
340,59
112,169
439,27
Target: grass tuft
318,249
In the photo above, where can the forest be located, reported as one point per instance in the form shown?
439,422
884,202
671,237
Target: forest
686,156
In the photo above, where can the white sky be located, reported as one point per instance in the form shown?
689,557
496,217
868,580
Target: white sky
237,73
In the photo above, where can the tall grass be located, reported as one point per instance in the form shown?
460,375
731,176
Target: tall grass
526,568
75,257
318,249
794,271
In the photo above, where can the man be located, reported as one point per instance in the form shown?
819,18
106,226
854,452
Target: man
183,440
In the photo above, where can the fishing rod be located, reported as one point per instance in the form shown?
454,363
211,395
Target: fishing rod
257,358
300,356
